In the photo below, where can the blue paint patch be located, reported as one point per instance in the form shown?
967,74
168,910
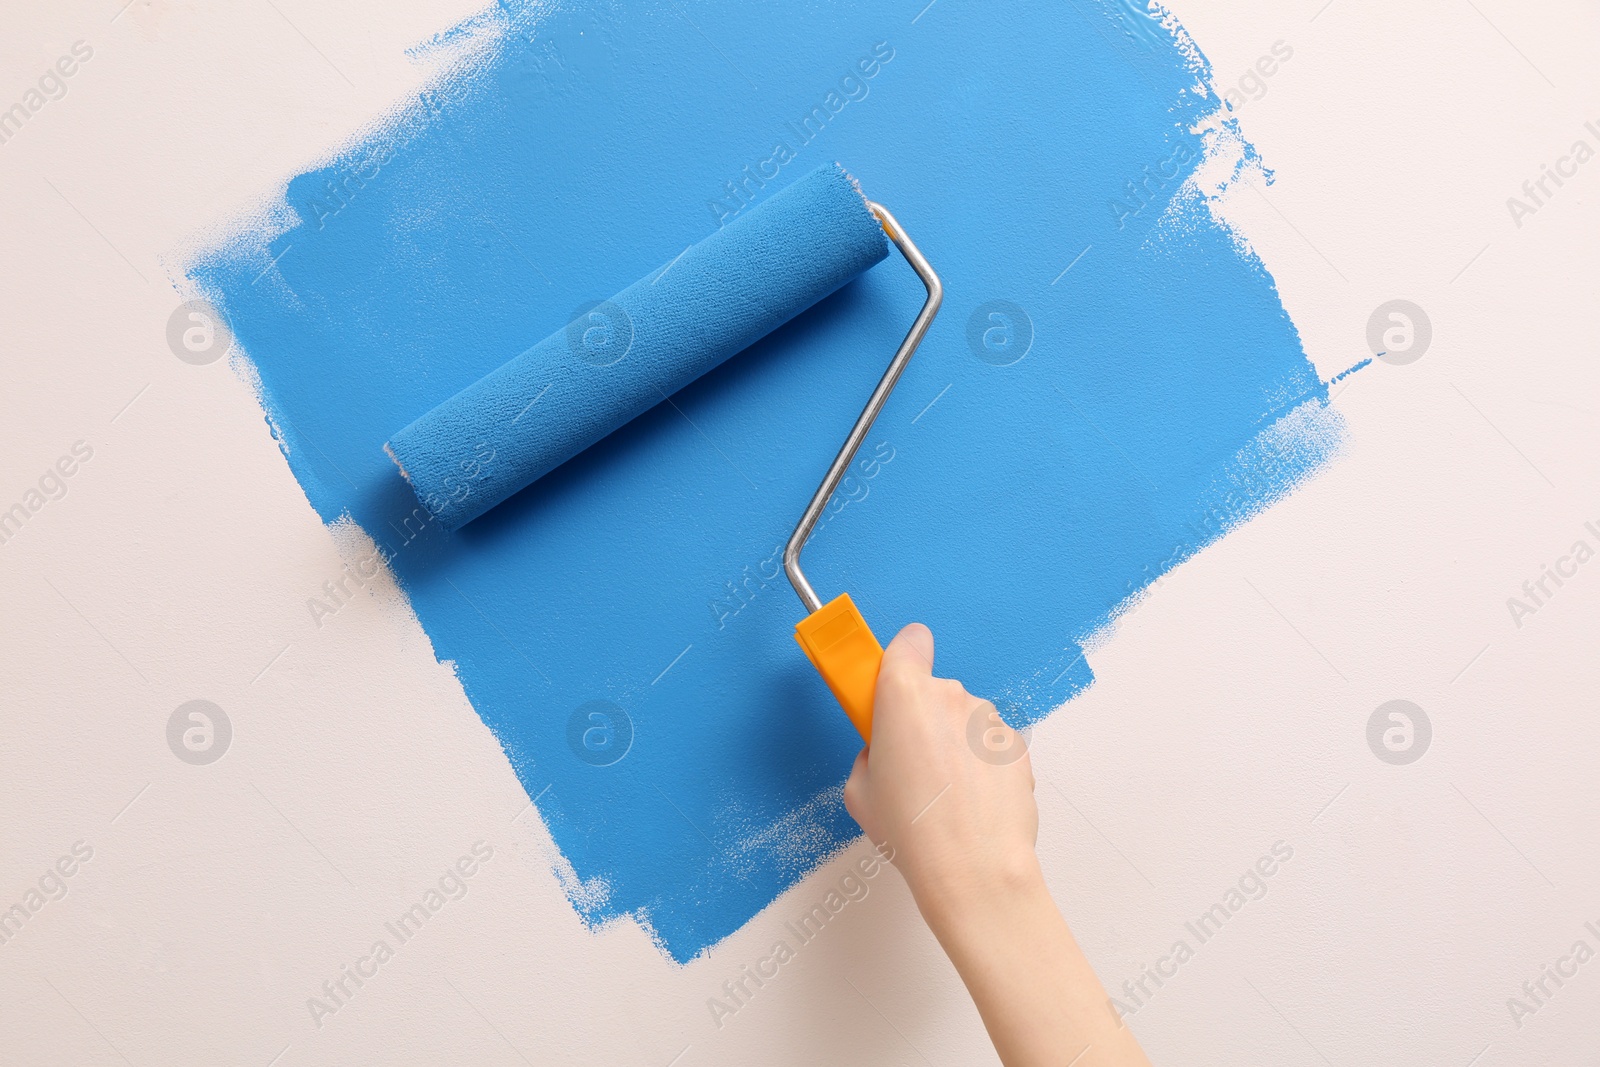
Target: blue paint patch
1342,375
1013,502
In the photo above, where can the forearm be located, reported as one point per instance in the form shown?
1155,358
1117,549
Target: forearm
1035,990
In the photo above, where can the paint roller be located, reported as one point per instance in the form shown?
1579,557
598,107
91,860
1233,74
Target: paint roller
627,354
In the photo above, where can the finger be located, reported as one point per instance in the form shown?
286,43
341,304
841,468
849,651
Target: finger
854,787
911,651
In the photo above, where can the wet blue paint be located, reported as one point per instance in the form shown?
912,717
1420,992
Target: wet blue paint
1342,375
1012,507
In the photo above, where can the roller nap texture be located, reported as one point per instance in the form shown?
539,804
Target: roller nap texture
613,363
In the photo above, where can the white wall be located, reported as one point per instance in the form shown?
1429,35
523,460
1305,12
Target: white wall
1230,712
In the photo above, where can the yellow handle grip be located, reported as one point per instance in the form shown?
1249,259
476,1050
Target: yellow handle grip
839,644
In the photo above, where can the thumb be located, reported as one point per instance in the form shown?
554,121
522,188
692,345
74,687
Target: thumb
911,652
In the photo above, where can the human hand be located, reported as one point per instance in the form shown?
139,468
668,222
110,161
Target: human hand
962,828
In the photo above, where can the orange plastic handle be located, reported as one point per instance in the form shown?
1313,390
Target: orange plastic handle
840,645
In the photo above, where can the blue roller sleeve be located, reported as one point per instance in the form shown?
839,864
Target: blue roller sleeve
617,361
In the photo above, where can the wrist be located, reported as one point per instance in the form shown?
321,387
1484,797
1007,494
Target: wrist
968,903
